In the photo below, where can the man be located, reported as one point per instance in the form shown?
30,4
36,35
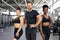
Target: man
45,24
32,19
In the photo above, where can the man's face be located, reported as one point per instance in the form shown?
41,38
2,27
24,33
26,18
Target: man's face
45,10
29,6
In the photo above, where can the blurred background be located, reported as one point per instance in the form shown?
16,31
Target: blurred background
8,13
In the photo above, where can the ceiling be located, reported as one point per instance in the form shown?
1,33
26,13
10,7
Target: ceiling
57,9
12,4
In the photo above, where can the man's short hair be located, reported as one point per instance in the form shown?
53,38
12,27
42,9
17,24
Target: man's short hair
29,2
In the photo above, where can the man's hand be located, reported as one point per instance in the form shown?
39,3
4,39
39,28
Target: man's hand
32,26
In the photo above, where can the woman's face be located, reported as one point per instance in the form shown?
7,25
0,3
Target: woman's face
18,12
45,10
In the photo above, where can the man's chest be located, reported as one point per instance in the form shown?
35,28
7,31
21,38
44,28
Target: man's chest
30,15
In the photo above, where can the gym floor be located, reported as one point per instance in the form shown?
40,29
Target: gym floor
8,33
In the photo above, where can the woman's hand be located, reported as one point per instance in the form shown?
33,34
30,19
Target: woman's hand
43,36
17,34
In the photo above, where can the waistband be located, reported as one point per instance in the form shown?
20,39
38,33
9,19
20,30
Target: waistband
45,26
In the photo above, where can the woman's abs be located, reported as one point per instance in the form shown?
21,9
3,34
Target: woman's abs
17,25
46,24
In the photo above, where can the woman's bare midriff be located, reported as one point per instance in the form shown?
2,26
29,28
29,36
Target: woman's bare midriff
46,24
16,25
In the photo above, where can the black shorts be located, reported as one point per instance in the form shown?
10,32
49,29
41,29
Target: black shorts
20,33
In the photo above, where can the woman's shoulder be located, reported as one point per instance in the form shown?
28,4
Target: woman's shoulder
22,17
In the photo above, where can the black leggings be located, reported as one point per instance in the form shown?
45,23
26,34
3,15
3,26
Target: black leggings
20,33
46,31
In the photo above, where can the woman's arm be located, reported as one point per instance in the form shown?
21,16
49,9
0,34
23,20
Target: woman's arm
42,34
21,24
51,22
41,27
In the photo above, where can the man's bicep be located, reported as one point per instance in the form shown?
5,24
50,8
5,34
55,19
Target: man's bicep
39,16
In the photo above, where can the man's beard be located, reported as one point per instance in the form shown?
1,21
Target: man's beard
29,8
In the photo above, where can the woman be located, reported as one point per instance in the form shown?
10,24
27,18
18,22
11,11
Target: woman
18,23
45,24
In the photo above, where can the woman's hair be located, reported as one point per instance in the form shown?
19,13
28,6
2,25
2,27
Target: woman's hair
45,6
18,8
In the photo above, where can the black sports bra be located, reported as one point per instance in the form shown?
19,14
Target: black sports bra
17,20
45,19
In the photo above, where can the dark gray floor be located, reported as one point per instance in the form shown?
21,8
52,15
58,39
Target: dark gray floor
7,34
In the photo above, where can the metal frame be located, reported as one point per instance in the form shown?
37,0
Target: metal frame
35,4
8,4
